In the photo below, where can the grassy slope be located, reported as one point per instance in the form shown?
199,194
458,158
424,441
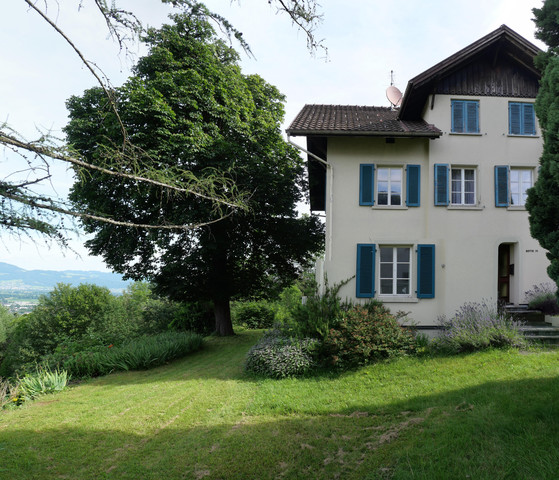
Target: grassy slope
490,415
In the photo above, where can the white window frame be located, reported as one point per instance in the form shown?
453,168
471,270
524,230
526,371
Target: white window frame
389,182
394,277
518,186
462,183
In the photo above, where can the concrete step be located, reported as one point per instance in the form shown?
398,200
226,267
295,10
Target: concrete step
522,313
541,333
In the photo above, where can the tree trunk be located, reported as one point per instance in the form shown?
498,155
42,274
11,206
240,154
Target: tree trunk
222,311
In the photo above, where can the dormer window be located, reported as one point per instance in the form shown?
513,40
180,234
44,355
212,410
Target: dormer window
465,116
522,119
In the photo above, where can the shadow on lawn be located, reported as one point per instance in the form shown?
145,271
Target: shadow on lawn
498,430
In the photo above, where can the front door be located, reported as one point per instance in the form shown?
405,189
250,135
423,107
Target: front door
504,273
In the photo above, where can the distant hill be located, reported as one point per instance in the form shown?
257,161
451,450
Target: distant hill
13,279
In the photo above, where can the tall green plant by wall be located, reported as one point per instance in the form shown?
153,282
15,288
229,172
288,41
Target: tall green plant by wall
317,314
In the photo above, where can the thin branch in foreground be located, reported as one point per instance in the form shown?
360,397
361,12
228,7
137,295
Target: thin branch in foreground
56,154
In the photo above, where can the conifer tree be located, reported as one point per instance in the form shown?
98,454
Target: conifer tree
543,198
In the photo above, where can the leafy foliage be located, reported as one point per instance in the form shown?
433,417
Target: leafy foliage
254,314
66,313
543,199
545,18
278,356
364,334
289,299
476,326
88,318
315,317
343,335
7,321
192,111
543,297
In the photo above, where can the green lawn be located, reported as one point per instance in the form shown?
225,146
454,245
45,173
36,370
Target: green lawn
490,415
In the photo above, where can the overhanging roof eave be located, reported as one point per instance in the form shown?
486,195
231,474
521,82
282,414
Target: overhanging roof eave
359,133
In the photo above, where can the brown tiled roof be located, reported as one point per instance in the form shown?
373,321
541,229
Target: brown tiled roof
357,120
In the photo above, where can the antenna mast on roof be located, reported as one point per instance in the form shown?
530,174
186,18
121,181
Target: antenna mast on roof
393,94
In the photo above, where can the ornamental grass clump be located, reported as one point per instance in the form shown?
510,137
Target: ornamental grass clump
42,382
477,326
279,356
138,354
543,297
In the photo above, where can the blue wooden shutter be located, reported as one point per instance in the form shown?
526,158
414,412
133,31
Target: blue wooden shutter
413,185
472,117
501,186
441,184
366,184
365,278
426,271
457,111
514,118
528,119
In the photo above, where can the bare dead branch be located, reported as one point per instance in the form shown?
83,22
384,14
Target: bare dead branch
46,204
86,63
43,151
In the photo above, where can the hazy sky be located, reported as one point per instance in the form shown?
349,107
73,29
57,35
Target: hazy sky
366,40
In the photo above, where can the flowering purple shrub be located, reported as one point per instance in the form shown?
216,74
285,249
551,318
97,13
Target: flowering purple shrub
476,326
543,297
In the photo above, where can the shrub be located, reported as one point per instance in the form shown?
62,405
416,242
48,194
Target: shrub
6,324
278,356
543,297
477,326
364,334
289,299
189,316
254,314
87,319
138,354
314,318
66,313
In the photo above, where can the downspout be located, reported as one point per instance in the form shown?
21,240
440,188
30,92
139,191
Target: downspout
329,187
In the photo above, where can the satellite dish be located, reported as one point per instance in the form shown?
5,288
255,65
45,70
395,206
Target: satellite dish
394,95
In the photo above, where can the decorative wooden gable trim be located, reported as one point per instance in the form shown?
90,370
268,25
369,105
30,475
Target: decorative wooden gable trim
504,78
502,61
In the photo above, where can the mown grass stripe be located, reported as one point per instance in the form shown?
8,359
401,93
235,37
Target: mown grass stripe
477,415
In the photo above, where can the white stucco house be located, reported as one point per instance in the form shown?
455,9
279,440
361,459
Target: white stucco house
424,202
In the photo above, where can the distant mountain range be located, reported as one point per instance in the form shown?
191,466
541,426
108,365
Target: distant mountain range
13,278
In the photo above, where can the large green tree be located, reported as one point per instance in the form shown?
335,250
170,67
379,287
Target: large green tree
190,109
543,198
28,207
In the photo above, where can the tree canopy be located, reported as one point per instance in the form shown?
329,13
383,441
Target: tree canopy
26,207
190,110
543,199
